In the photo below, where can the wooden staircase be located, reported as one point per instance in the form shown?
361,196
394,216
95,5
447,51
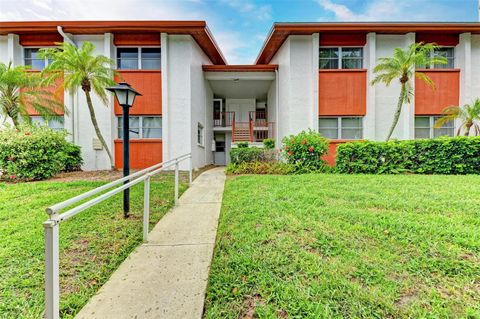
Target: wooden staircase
241,132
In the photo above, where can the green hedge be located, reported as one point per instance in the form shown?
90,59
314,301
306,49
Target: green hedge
251,154
446,155
36,153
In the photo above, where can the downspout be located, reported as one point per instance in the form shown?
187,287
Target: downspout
71,95
277,85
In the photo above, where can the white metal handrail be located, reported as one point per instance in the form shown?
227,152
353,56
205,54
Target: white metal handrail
51,226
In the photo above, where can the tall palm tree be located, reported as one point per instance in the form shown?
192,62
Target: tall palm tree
80,68
21,90
469,114
401,66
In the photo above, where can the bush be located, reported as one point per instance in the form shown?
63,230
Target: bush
36,153
305,151
269,143
249,154
242,144
446,155
273,168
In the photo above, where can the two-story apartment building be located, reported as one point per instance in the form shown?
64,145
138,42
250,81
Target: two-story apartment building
307,75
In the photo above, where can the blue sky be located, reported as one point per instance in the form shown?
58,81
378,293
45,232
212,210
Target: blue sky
240,26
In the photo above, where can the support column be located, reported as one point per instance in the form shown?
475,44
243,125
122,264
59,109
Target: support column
370,61
408,111
315,89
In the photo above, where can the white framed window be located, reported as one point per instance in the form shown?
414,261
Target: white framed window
340,58
31,58
141,127
200,135
446,52
336,128
55,123
139,58
424,127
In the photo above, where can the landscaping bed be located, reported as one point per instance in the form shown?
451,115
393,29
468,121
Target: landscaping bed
92,244
352,246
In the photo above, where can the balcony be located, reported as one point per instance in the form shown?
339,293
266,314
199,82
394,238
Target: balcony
256,129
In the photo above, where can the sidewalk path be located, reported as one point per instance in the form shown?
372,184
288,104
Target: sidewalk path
167,277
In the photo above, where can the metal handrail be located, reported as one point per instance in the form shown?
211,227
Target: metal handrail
51,226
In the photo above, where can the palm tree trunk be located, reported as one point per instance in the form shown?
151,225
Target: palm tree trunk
397,112
15,122
468,126
95,125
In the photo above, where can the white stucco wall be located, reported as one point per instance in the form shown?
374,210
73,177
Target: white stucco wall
4,49
386,98
189,101
83,127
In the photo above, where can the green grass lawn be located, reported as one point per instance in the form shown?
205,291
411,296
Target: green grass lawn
333,246
92,243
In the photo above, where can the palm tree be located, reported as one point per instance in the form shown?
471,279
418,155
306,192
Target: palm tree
402,67
21,91
469,114
80,68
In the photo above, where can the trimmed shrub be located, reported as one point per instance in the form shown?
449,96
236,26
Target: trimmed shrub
272,168
246,154
445,155
36,153
242,144
305,151
269,143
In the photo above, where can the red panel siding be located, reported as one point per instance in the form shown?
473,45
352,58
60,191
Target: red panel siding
135,39
57,92
143,153
438,38
343,39
342,92
40,40
429,101
149,84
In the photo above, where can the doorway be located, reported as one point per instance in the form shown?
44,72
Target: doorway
219,153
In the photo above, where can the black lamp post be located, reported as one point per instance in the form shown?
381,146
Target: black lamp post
125,96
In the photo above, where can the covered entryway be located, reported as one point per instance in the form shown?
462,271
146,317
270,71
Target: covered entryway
244,105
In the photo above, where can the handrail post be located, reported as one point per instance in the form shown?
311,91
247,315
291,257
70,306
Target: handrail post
52,278
190,172
146,208
176,182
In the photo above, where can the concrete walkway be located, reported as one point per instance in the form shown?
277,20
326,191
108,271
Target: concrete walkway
167,277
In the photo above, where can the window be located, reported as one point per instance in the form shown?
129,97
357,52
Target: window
200,135
348,128
55,123
341,58
31,58
446,52
424,127
138,58
142,127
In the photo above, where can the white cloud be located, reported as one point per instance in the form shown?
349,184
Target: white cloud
392,10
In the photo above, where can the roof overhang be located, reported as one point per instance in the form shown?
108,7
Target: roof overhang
241,68
197,29
280,31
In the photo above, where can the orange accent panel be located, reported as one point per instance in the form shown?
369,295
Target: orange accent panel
39,40
429,101
143,153
342,92
341,39
438,38
136,39
57,91
149,84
